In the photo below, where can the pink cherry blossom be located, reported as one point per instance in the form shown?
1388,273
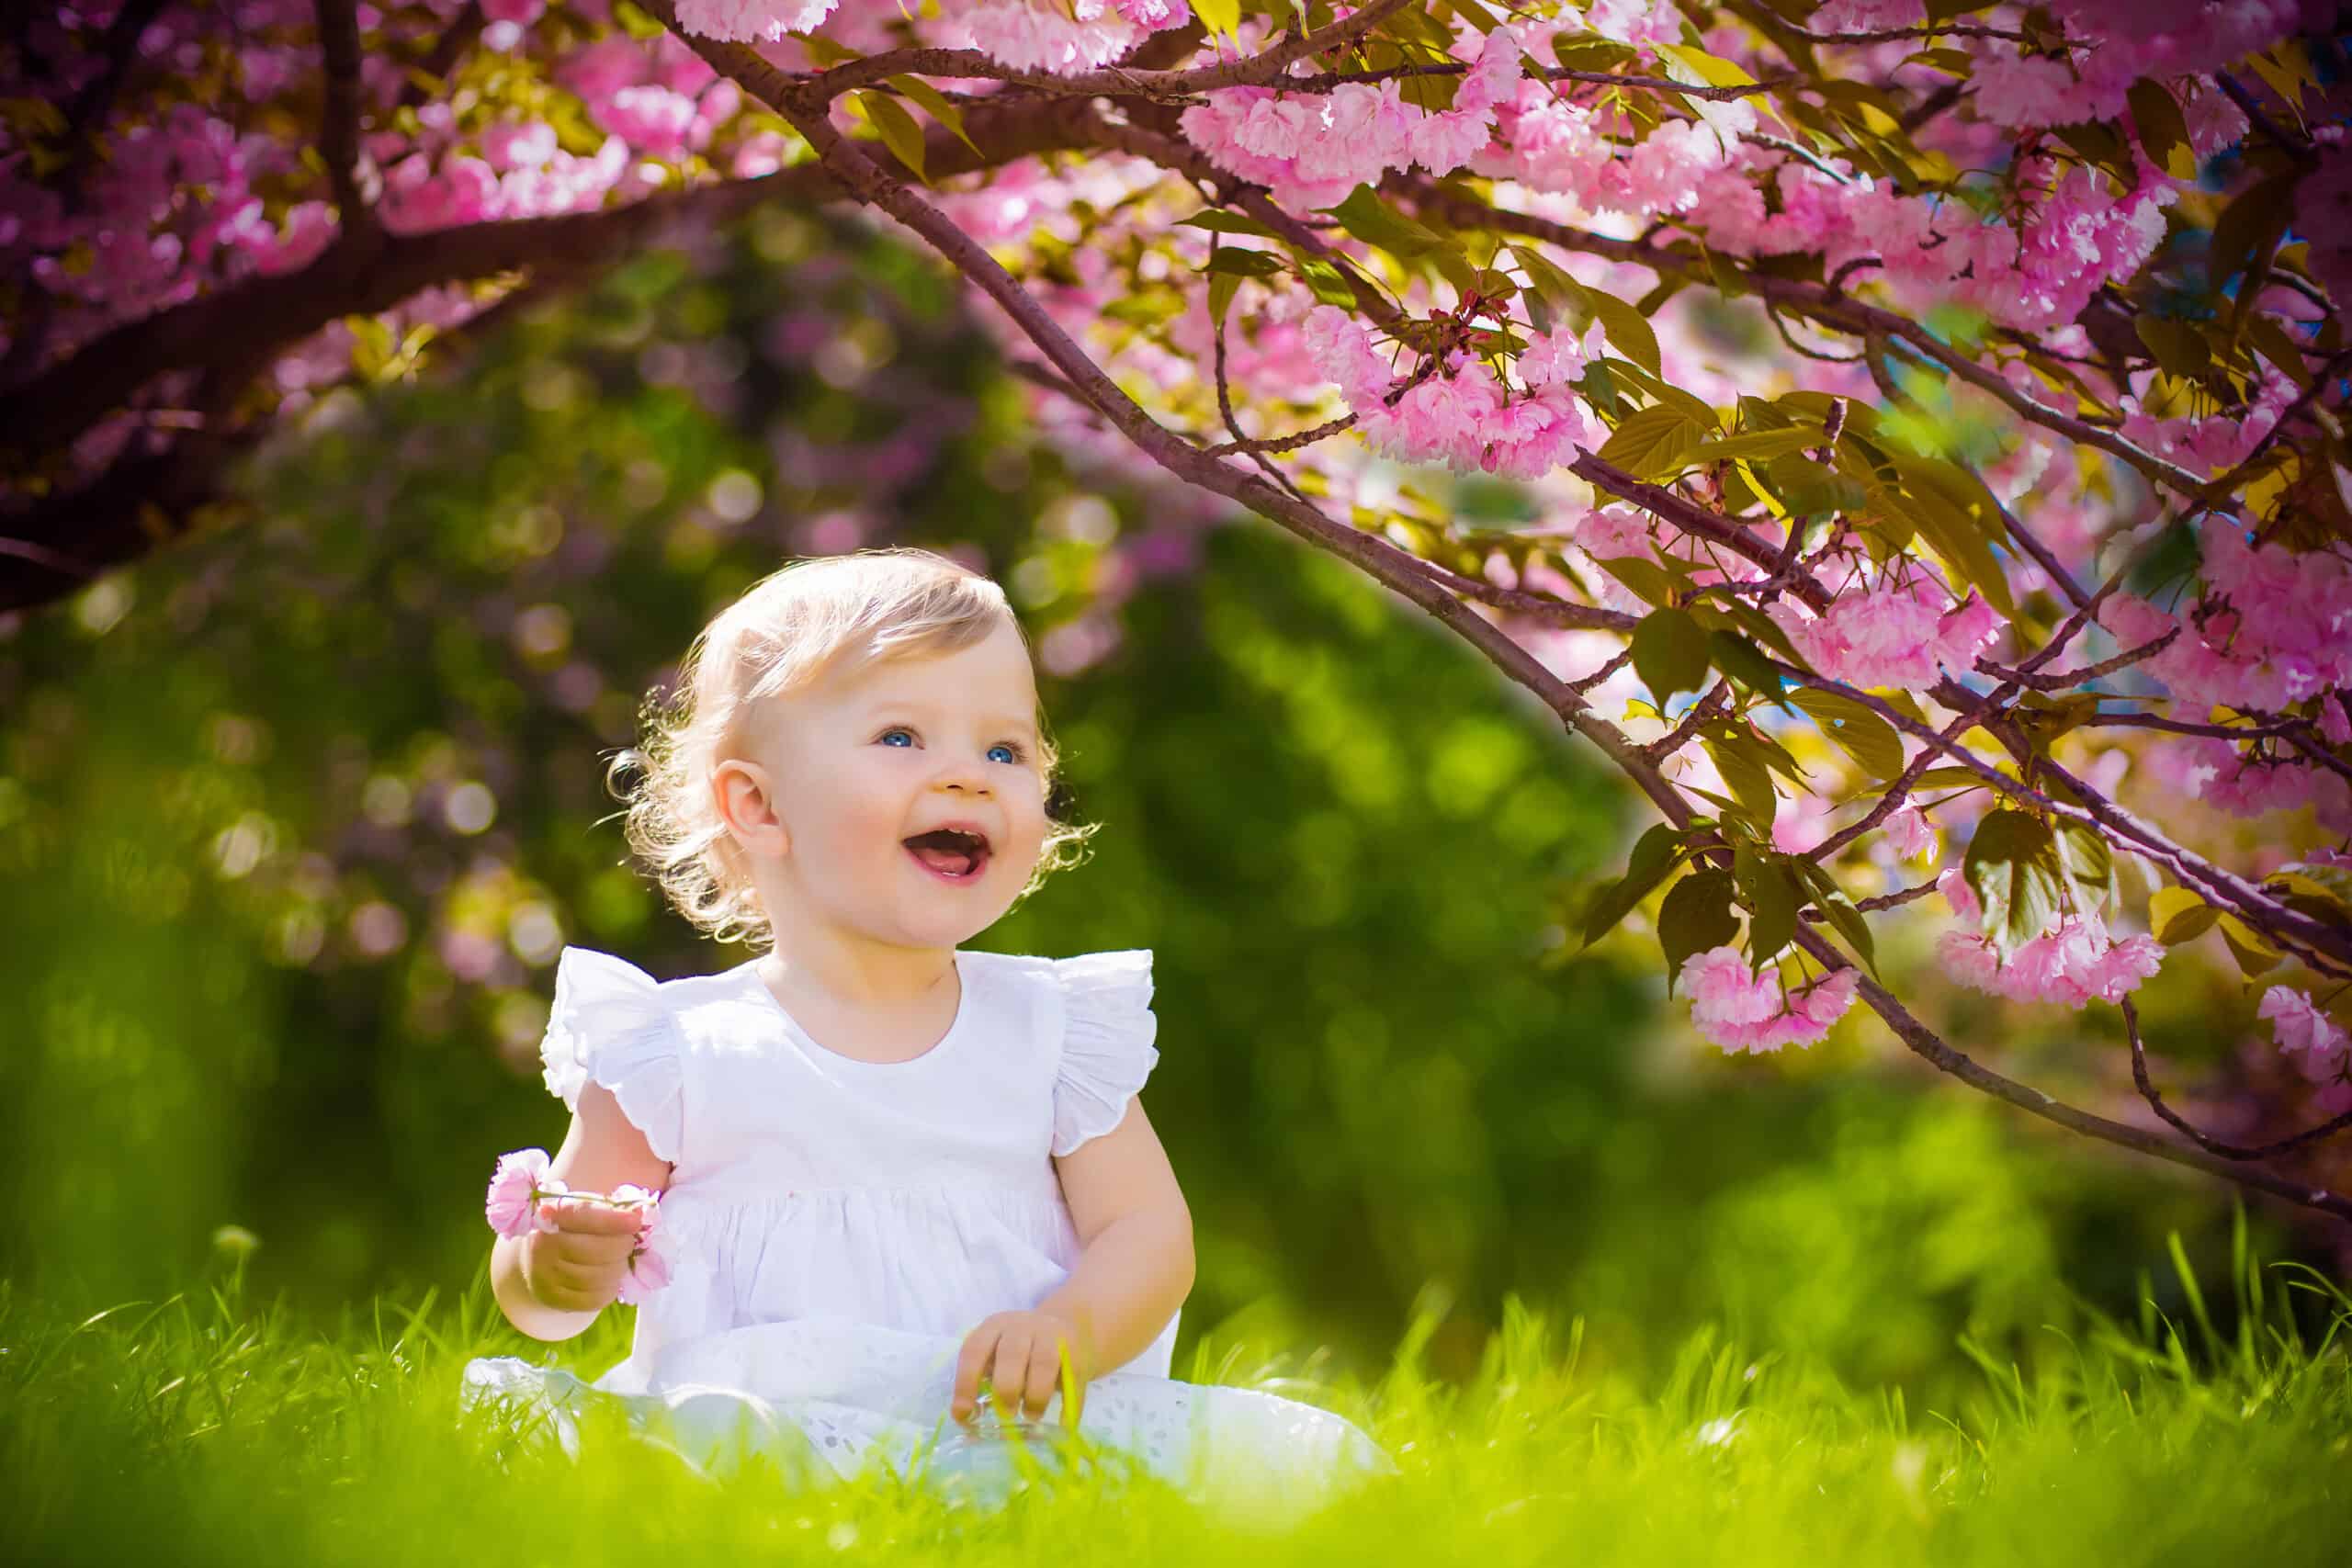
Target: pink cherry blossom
751,21
510,1198
2073,961
1739,1010
648,1270
2320,1047
1908,833
1892,635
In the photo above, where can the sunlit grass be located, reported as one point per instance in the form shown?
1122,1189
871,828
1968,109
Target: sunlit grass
207,1427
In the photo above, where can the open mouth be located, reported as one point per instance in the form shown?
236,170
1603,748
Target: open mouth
950,854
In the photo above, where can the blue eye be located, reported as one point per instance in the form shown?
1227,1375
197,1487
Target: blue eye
1014,752
893,729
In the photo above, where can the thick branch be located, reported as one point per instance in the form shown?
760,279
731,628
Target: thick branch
339,137
361,273
1115,81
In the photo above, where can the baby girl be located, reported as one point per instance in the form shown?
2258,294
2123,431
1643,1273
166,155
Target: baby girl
906,1194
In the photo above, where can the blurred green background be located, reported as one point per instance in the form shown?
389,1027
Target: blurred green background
295,818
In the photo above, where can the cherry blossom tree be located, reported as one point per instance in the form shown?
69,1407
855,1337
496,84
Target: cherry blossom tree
1932,413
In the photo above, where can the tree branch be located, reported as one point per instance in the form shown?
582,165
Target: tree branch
339,137
2227,1151
365,273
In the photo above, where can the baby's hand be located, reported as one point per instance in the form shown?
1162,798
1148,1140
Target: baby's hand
577,1265
1020,1355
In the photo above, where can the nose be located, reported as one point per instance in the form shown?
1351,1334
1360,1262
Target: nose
965,776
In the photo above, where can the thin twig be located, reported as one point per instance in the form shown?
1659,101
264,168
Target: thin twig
2227,1151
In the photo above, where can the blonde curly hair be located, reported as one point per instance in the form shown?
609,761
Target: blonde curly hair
784,632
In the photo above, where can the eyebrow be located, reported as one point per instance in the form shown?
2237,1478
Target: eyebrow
910,705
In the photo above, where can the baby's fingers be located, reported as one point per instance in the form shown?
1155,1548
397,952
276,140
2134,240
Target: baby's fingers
971,1363
574,1218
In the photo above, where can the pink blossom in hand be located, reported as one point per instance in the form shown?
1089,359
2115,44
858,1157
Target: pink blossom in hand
553,1190
510,1195
648,1270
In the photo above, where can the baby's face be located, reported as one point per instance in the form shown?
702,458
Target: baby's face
867,760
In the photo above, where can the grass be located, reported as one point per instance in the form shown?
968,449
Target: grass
205,1429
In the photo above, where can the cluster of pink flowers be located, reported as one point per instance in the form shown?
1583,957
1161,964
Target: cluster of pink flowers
2073,961
2248,781
1894,634
522,1193
751,21
1740,1009
1043,36
1461,415
2320,1047
2276,628
1312,149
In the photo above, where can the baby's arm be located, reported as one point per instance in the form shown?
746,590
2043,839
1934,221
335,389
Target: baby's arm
1135,1268
602,1150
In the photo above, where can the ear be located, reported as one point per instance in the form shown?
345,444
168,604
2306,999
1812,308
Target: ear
744,793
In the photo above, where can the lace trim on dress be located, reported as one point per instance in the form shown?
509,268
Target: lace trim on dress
610,1023
1107,1033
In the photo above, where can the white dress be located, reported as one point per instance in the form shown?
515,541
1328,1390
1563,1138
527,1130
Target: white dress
834,1227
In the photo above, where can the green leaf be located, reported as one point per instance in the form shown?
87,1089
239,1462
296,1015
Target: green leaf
1217,222
1628,332
935,104
1850,925
899,131
1744,662
2177,915
2178,348
1238,262
1960,519
1220,16
1741,763
1223,286
1375,222
1586,52
2012,866
1670,654
2156,114
1654,583
1874,745
1772,902
1326,282
1655,854
1808,489
1756,444
2249,947
1697,915
1712,69
1556,288
2086,854
1649,443
2247,228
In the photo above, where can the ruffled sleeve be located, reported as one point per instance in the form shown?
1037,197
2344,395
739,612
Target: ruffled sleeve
610,1023
1107,1033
